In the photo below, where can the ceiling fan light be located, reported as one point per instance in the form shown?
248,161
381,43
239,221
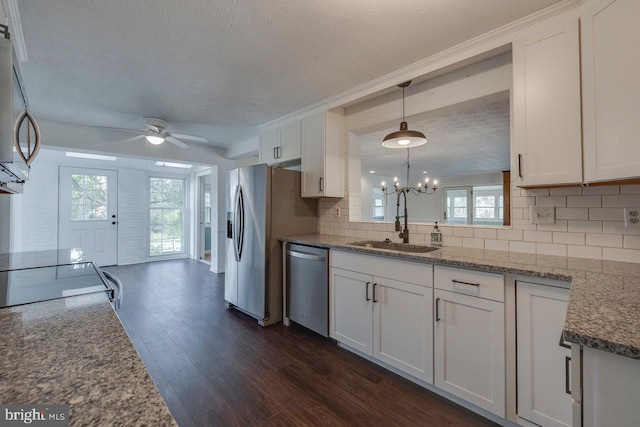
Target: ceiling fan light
155,140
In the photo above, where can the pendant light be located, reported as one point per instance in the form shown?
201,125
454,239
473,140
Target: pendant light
404,138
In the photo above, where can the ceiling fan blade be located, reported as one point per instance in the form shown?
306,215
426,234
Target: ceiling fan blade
117,129
134,138
191,137
176,142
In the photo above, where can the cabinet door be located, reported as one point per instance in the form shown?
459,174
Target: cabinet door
403,326
290,139
611,94
469,349
313,156
543,364
546,107
350,311
610,389
269,142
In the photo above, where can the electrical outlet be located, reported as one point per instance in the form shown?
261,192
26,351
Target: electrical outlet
543,215
337,212
632,217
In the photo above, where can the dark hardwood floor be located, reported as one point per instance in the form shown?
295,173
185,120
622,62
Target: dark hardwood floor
215,366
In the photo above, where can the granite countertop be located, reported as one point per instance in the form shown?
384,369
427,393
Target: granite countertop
604,302
75,351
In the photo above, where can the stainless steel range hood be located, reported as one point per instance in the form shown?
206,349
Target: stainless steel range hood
11,175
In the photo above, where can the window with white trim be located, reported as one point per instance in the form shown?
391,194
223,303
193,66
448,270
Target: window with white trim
166,213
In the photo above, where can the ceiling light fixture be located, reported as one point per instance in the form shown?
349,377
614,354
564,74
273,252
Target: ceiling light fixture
155,140
404,138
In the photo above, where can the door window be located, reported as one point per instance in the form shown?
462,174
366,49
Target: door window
89,197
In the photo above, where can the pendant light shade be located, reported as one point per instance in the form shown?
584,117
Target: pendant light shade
404,138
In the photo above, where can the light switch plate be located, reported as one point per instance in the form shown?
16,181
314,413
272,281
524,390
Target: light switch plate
543,215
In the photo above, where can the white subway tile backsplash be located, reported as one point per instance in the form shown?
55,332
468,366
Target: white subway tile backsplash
606,214
557,201
601,189
560,225
551,249
485,233
522,224
572,213
517,213
451,241
496,245
584,201
605,240
569,238
380,227
510,234
585,226
622,255
361,233
526,247
616,227
373,235
523,202
538,236
631,242
629,200
630,189
565,191
425,229
589,252
419,239
463,231
470,242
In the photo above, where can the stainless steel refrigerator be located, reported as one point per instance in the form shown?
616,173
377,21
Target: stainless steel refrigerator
263,204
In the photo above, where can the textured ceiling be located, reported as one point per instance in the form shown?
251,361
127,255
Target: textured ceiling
220,68
469,139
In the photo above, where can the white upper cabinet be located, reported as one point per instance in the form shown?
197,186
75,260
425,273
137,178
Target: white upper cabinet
610,90
547,142
322,163
281,145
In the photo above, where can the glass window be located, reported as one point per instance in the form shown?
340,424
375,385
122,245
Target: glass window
89,197
166,212
457,205
488,205
207,208
379,202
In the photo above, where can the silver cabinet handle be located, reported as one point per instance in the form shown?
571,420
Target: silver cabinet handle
520,165
465,283
567,382
304,255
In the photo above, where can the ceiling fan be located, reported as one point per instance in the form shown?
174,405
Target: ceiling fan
156,133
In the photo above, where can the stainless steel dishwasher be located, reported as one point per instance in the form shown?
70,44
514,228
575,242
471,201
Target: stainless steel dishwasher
308,287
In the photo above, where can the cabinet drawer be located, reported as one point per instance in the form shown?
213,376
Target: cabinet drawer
469,282
404,271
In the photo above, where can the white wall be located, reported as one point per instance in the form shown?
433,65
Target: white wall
132,216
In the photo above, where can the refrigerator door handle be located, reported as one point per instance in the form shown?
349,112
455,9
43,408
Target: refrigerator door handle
235,223
240,234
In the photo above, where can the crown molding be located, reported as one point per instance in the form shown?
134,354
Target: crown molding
488,41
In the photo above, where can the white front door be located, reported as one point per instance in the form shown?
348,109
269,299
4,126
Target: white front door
87,213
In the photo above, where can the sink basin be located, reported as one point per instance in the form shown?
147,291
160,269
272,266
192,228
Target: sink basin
403,247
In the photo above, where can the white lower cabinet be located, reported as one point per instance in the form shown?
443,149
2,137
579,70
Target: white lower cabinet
469,336
387,319
544,358
610,390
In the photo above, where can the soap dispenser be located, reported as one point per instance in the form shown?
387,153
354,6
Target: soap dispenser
436,236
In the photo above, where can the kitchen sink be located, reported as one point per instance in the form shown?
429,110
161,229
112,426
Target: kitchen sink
403,247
